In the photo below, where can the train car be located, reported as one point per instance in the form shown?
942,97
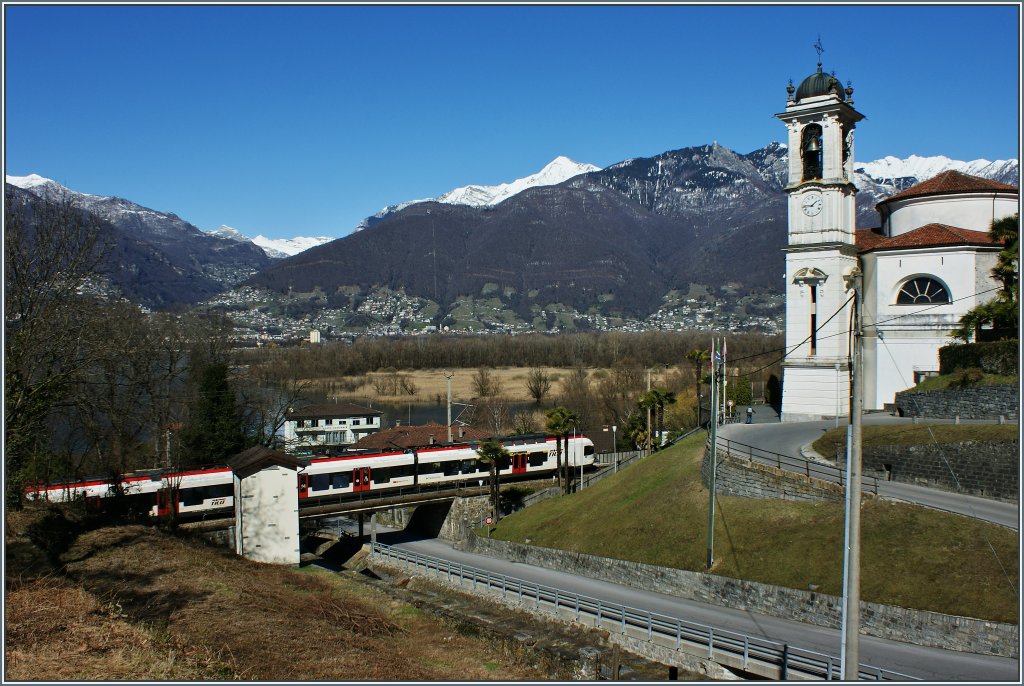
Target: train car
200,492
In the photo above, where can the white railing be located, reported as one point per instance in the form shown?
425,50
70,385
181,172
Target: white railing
750,653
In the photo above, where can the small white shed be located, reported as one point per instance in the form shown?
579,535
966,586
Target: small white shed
267,505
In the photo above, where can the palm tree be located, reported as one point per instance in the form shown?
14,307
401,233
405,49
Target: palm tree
558,425
1000,313
656,399
698,358
493,454
570,421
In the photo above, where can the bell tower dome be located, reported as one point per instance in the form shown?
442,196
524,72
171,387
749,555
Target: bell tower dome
820,253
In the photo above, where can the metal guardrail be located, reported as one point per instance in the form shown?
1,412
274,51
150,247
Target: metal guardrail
800,465
749,652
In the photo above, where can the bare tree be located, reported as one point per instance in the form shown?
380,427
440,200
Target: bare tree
485,383
52,251
538,384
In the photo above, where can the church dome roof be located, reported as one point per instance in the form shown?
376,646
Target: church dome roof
820,83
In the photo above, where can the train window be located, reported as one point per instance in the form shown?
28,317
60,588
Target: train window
504,462
451,468
538,459
381,475
221,491
341,480
470,467
320,482
432,467
588,450
191,496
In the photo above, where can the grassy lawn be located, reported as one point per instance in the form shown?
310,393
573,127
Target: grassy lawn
656,512
941,383
917,434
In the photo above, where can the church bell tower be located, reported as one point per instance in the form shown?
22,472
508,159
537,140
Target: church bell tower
821,253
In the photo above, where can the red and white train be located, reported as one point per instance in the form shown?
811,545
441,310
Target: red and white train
210,490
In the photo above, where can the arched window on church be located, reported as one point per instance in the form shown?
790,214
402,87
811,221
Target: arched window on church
810,150
923,290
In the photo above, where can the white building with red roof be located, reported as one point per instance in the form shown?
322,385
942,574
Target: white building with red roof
925,265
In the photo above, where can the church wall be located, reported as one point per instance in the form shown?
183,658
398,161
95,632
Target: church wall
975,211
911,335
811,393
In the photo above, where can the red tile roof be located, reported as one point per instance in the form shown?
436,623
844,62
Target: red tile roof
950,182
927,236
417,436
328,410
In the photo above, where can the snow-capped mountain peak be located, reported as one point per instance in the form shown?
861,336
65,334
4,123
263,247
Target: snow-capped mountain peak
289,246
923,168
273,247
31,181
226,232
554,172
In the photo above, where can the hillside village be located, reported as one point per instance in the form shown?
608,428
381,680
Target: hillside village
265,317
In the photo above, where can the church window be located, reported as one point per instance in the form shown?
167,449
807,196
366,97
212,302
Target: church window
922,291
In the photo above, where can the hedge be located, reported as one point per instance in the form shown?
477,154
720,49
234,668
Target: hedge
996,357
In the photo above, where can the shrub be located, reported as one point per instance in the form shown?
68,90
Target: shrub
966,377
995,357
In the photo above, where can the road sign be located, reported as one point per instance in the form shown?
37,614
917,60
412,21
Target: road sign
488,520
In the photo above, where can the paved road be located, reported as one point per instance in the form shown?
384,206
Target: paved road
789,438
926,663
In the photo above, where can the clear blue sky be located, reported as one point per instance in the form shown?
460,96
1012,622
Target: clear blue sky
302,120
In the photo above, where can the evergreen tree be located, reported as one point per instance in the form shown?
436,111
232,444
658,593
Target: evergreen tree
213,432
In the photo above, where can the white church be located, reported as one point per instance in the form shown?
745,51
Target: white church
926,264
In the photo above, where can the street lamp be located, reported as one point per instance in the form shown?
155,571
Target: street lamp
615,450
580,487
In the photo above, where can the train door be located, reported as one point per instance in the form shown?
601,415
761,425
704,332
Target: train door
360,479
519,463
303,485
166,501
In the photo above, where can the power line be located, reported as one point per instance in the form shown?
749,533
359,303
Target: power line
949,468
787,351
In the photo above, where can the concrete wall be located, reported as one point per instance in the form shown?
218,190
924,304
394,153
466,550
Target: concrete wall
972,402
982,468
737,476
895,623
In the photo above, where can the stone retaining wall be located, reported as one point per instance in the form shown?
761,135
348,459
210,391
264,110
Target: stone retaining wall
895,623
982,468
971,402
739,476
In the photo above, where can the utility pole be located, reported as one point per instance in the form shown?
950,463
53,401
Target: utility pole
725,377
449,375
713,438
851,584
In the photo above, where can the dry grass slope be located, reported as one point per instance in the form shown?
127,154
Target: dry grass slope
137,603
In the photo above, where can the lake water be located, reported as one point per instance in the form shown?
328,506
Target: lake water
420,413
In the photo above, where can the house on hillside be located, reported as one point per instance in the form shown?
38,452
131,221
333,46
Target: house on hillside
328,428
926,264
402,437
